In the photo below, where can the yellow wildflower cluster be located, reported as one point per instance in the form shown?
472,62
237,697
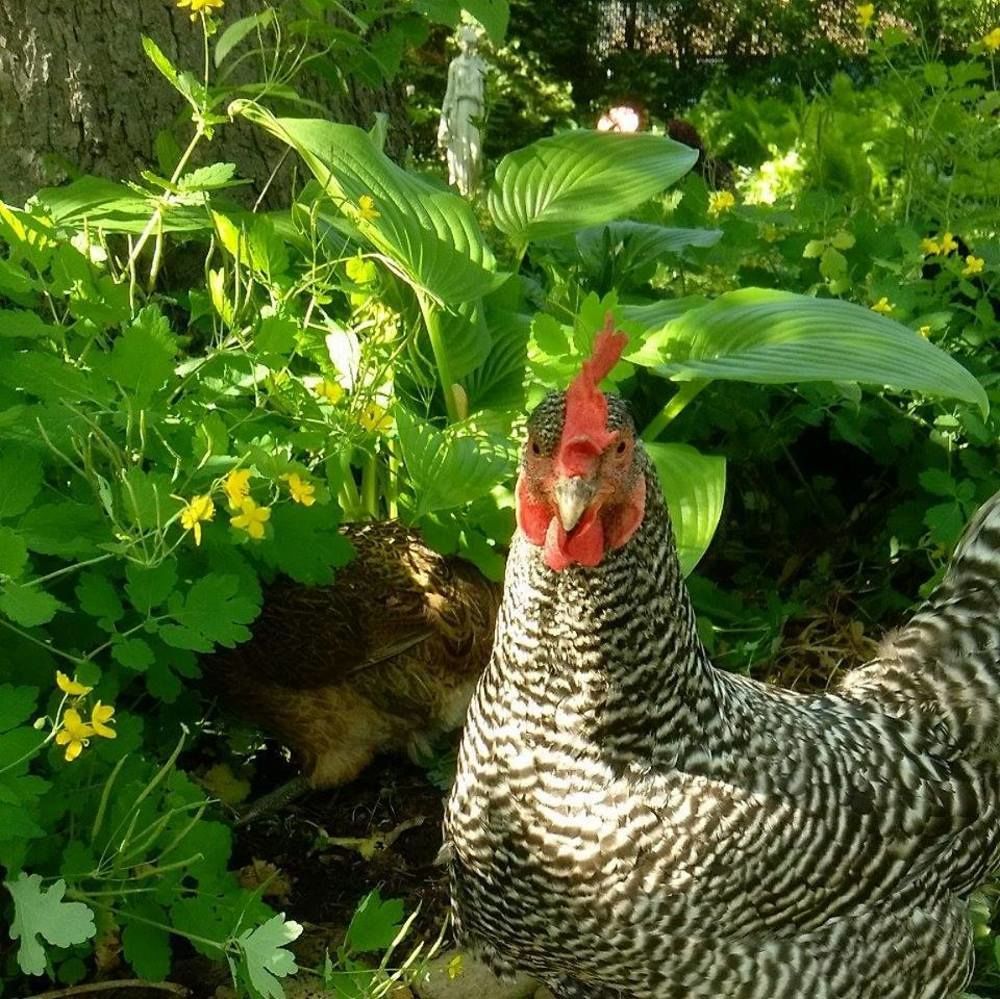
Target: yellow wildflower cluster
720,201
198,6
365,210
251,518
72,731
973,265
198,510
941,246
992,40
300,490
236,486
865,14
883,306
246,514
374,418
329,391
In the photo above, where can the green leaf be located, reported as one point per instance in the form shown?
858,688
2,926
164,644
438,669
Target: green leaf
20,480
498,383
640,242
447,469
214,611
775,337
28,605
305,545
375,923
78,861
938,482
133,653
493,15
833,264
427,234
946,522
48,377
694,487
67,529
238,30
43,915
24,323
143,357
147,947
116,208
149,588
13,553
560,184
209,178
17,705
264,958
655,314
98,596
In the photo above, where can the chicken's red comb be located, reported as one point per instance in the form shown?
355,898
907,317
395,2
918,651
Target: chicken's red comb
585,426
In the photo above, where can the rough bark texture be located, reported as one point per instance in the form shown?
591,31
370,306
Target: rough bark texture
78,95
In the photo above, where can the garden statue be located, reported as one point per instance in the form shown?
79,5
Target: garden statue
459,132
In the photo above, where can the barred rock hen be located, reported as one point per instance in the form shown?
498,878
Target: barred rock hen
382,659
628,821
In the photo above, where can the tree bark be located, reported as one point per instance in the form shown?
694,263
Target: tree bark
78,95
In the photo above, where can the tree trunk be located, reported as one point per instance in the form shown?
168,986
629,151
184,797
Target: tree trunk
78,95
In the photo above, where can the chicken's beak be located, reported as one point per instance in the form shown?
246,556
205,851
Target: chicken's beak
573,495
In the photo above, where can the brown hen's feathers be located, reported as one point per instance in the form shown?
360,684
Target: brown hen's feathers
384,658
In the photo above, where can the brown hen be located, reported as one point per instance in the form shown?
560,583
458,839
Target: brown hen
385,658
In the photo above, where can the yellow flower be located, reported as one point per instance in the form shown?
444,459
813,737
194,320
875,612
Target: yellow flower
329,391
930,246
992,40
252,518
947,243
300,490
374,418
99,718
197,6
366,208
924,331
74,734
720,201
71,687
237,486
200,508
973,265
883,306
864,12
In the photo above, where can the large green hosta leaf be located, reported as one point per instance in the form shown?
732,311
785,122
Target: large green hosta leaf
427,234
447,469
575,179
759,335
639,242
694,486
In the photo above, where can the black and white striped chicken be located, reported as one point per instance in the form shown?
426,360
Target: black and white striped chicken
629,822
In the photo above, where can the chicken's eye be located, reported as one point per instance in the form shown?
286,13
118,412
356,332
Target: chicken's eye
622,447
535,449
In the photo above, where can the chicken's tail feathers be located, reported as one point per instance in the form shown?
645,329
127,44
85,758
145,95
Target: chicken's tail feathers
942,669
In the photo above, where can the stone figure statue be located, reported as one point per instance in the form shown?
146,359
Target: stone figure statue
459,131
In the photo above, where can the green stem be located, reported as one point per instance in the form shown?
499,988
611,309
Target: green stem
75,567
76,660
350,499
678,402
369,485
432,319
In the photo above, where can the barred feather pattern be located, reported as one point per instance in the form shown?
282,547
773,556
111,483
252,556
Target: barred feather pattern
628,821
